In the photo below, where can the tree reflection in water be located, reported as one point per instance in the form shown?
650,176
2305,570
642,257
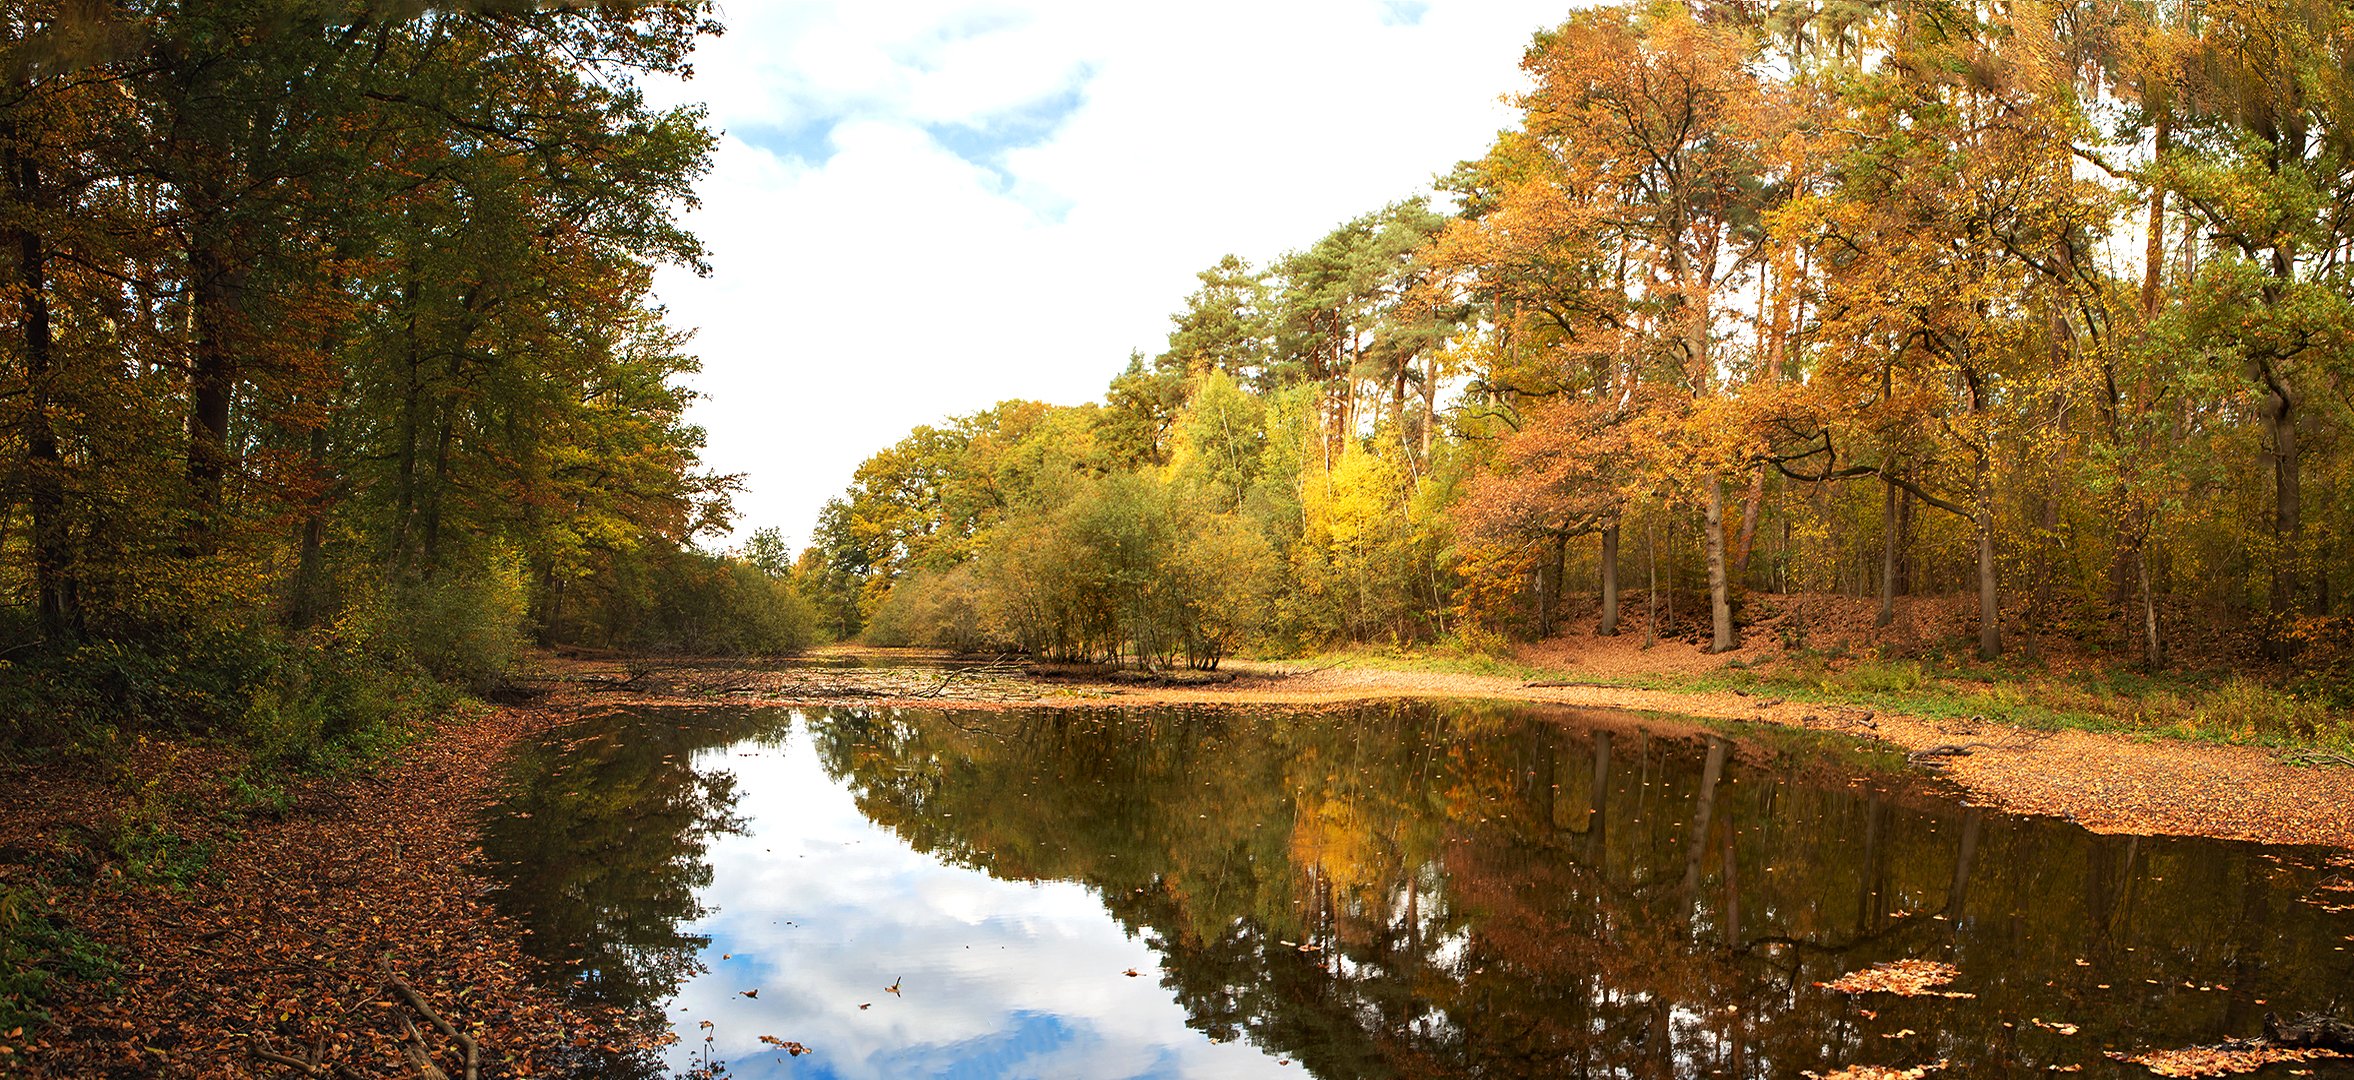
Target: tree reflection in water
601,846
1414,889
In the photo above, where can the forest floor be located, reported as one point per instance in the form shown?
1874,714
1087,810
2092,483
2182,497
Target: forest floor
195,915
208,918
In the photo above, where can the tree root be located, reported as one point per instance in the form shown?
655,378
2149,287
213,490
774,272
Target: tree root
2312,759
413,1046
418,1056
311,1064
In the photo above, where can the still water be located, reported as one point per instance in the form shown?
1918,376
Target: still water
1387,890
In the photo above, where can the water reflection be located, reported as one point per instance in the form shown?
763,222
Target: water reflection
1394,890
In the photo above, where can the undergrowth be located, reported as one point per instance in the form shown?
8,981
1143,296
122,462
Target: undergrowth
36,949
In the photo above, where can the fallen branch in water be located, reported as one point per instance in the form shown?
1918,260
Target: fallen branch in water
2311,1031
2017,738
1003,665
1934,755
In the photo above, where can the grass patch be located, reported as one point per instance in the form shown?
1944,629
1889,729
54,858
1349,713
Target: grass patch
1448,656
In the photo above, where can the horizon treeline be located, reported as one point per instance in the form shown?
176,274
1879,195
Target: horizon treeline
2049,302
329,369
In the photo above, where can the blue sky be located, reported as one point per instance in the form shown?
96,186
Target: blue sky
925,207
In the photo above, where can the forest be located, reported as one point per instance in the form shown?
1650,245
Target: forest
331,377
2048,304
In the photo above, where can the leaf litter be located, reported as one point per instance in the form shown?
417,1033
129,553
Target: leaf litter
1904,978
2225,1060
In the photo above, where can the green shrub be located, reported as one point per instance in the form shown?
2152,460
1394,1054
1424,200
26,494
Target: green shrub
465,628
942,610
1475,640
2243,708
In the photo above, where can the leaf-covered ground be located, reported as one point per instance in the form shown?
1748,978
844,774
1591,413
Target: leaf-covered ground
271,931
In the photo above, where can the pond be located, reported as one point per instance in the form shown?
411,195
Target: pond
1377,890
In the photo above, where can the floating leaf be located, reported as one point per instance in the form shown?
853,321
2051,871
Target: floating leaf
1904,978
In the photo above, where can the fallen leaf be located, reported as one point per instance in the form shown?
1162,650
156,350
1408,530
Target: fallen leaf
1904,978
2219,1060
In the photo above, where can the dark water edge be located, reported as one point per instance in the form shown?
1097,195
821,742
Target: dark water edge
1394,889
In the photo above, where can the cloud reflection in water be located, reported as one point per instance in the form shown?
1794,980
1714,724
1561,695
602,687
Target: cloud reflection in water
821,909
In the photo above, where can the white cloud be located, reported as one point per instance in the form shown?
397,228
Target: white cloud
867,278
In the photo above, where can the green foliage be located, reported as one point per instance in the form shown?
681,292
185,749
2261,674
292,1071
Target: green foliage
2246,709
673,601
1879,676
149,840
337,701
939,608
36,948
466,628
398,391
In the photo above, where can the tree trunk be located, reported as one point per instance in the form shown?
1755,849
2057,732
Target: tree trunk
1544,583
57,598
1990,631
2154,255
1888,546
1711,774
1598,798
1906,584
1720,606
2278,411
411,426
1650,585
306,598
1430,404
2153,649
212,375
1751,503
1560,571
1609,627
1957,893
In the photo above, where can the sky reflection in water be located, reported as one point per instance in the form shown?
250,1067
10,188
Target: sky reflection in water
822,910
1387,890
